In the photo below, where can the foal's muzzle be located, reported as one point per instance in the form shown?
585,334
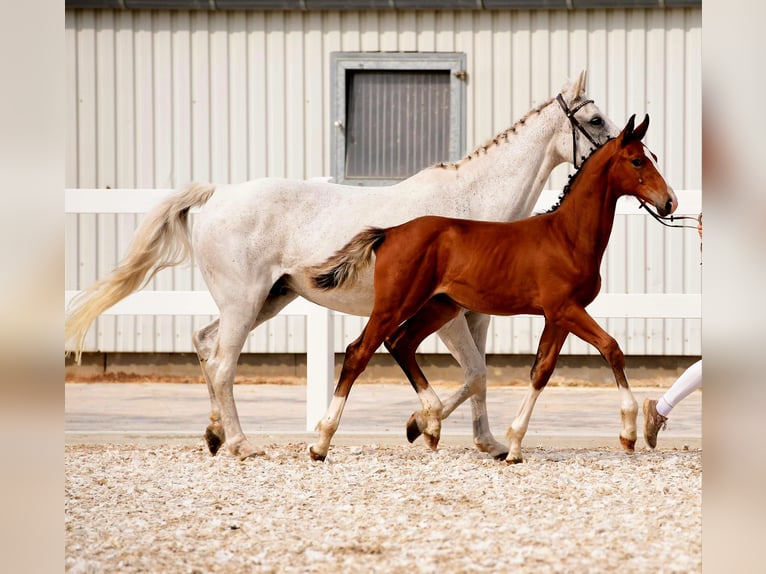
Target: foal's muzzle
670,205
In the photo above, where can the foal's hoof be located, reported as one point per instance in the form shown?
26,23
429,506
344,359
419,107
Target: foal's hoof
502,456
214,438
514,461
627,444
413,430
316,456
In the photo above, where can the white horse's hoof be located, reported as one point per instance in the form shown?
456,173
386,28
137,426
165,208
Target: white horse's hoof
315,455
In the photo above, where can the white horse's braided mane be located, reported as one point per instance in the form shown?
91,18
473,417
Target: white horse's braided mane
504,135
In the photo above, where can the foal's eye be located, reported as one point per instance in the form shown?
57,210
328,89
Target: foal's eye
638,162
596,121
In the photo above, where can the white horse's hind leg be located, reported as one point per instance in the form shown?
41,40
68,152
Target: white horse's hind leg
205,342
466,337
234,325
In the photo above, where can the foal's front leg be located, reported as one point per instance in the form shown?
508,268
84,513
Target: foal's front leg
585,327
548,349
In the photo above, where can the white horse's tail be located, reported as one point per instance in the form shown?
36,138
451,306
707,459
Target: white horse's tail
162,240
349,261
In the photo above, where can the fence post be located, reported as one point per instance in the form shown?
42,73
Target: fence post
320,363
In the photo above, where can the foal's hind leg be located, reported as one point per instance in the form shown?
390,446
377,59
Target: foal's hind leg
466,338
357,357
548,349
402,346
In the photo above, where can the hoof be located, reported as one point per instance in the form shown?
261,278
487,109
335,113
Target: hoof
431,441
492,447
627,444
256,452
413,431
514,460
315,456
214,439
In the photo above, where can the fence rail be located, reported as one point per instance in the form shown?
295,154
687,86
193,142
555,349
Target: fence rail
319,321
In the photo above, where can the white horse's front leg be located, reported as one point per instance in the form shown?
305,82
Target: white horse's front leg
327,427
518,427
466,337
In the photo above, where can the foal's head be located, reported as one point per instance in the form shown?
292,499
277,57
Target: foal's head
634,170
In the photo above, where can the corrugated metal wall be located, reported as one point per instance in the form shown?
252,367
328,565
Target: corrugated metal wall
159,98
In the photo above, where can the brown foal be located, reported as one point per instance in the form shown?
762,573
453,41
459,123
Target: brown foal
426,270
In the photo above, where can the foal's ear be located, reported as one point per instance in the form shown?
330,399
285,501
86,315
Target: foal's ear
640,131
627,132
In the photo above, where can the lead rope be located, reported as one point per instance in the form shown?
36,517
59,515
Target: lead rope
660,218
672,218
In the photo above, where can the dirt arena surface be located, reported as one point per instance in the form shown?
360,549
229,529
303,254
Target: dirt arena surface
369,508
142,494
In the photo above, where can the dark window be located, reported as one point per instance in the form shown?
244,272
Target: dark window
396,114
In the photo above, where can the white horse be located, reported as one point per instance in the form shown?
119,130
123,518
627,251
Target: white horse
253,242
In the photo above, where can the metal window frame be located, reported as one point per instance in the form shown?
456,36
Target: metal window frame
342,62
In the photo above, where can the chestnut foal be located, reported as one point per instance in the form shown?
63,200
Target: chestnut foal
426,270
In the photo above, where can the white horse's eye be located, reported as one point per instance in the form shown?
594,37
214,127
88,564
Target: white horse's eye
596,121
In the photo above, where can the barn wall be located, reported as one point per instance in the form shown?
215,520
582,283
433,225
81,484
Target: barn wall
159,98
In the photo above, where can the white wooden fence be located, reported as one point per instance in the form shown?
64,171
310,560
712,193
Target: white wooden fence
319,321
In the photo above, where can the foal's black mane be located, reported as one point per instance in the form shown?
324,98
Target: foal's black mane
572,178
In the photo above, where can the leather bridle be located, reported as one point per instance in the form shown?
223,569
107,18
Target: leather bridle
570,114
576,125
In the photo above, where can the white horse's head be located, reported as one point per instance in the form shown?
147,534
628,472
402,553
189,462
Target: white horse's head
588,116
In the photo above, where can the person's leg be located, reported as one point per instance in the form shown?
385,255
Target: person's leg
656,412
690,380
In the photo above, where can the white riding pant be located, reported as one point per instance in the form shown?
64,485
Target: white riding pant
689,381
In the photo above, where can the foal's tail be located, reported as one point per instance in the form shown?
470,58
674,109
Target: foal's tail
347,263
162,240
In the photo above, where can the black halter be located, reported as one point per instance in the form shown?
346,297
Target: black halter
570,113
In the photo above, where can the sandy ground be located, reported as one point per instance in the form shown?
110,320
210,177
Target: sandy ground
373,508
143,495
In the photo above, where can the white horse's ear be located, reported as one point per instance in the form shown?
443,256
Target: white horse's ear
575,89
580,83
